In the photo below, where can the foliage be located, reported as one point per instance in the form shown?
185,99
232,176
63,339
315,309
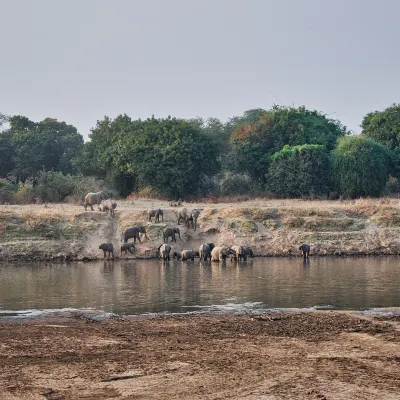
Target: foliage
169,155
260,133
7,190
361,166
32,146
54,186
234,184
300,171
383,126
24,195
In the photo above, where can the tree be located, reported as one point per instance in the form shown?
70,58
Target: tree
300,171
361,166
383,126
260,133
170,155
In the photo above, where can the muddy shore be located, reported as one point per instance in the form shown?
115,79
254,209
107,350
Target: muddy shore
297,355
64,232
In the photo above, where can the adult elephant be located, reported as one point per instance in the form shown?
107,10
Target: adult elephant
134,232
189,255
170,232
219,253
156,214
164,251
205,251
192,218
93,198
183,215
305,250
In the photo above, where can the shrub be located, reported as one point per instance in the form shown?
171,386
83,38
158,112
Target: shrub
234,184
7,190
54,186
361,166
300,171
24,195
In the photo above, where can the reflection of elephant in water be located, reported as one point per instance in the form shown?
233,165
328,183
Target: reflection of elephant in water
171,232
156,214
205,251
189,255
163,252
305,250
107,248
183,215
125,247
93,198
220,253
192,218
134,233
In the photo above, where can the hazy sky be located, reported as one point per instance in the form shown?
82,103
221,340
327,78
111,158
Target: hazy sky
78,60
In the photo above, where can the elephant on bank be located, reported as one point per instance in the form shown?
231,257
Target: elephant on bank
134,232
205,251
305,250
183,215
192,218
164,251
93,198
171,232
220,253
107,248
125,247
156,214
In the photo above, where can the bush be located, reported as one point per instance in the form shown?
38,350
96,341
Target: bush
7,190
54,186
234,184
361,166
24,195
300,171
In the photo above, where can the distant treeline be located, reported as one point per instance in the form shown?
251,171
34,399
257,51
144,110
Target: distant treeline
284,151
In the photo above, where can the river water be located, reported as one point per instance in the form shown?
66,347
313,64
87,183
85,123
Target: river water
148,286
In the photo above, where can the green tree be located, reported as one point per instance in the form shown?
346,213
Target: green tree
383,126
300,171
260,133
361,166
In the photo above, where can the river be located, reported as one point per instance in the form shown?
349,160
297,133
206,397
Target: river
149,286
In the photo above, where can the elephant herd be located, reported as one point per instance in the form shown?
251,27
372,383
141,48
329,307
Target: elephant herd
206,251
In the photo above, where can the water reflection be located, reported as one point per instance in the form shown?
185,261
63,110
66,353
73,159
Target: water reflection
139,286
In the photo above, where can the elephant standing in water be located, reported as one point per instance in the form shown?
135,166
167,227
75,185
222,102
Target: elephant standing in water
93,198
134,232
220,253
189,255
305,250
242,252
205,251
171,232
156,214
164,251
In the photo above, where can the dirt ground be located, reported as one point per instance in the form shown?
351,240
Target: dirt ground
302,355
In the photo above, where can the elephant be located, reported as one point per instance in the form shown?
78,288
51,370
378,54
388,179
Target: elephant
192,218
112,206
305,250
183,215
133,232
93,198
103,207
189,255
107,248
164,251
156,214
205,251
220,253
171,232
125,247
242,252
176,255
249,251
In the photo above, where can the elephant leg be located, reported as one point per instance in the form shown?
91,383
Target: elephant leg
138,238
104,254
91,207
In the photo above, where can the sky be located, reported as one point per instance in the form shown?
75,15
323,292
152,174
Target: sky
78,61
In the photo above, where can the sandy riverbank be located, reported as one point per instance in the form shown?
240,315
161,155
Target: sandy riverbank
270,227
303,355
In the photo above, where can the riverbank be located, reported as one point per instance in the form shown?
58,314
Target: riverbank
280,355
64,232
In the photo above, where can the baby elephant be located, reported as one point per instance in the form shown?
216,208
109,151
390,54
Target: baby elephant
125,247
107,248
305,250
